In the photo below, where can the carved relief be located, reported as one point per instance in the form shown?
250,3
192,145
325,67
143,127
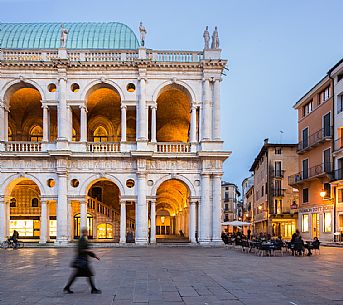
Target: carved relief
171,164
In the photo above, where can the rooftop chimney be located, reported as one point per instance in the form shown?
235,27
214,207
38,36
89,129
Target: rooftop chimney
266,141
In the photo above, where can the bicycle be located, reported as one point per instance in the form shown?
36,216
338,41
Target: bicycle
11,244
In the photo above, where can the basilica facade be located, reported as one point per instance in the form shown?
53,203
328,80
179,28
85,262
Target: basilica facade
98,131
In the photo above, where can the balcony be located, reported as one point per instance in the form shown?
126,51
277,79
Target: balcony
338,174
338,145
314,140
103,147
317,171
102,55
277,173
20,146
278,192
173,147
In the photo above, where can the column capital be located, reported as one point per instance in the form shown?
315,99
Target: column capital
217,175
206,79
123,201
83,107
62,78
44,106
154,106
123,106
141,175
139,78
205,174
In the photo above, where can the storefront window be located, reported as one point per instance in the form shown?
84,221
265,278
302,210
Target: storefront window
104,230
304,223
24,227
327,222
52,228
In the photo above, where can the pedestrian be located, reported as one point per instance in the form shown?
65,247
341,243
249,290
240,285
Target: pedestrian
249,233
80,264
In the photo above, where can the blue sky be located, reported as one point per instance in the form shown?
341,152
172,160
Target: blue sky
277,50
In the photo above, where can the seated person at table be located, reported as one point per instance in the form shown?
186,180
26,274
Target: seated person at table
315,243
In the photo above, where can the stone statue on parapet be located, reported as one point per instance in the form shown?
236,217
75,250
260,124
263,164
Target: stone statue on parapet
206,38
215,39
64,36
143,32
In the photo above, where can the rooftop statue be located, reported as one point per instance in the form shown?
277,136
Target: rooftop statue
206,38
143,32
64,36
215,39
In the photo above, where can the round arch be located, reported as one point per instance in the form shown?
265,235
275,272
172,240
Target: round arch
182,178
14,85
183,84
10,182
95,178
97,84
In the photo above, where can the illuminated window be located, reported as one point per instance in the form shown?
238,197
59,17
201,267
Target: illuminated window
75,87
100,134
74,135
131,87
24,227
104,230
304,223
52,87
327,222
34,203
52,227
36,134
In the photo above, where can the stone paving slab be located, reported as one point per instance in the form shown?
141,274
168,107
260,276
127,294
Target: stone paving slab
180,276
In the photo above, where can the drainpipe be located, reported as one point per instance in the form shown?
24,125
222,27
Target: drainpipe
332,149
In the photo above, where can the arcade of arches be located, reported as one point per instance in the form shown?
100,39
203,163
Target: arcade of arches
102,211
103,117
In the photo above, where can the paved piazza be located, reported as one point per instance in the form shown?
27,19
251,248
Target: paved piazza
173,276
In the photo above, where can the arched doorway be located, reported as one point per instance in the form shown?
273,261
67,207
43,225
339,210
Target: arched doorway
172,210
103,210
173,114
25,210
77,225
25,119
104,114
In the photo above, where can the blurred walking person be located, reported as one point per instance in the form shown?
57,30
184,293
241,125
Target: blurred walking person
81,265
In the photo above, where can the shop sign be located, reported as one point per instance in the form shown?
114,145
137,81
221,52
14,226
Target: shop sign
319,209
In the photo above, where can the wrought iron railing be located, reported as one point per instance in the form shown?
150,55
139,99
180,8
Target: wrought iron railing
315,139
315,171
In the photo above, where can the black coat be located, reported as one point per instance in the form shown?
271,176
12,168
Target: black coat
82,266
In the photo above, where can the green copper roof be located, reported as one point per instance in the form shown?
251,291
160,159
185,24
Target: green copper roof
89,35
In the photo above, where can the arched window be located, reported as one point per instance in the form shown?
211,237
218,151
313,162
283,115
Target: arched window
13,202
34,203
100,134
36,134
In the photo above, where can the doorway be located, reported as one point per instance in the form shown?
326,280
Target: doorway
315,225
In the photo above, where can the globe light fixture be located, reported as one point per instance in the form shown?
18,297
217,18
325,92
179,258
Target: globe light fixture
322,193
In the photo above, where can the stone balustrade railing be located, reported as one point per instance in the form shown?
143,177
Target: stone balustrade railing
101,55
103,147
20,146
173,147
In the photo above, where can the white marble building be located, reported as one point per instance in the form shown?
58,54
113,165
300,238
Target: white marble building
107,134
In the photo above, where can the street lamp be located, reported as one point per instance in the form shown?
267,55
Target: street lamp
322,193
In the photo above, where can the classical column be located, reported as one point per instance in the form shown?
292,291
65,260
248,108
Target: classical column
45,123
206,115
153,221
44,223
141,210
216,208
205,213
83,214
123,123
122,222
3,220
83,123
192,222
153,123
142,116
216,110
63,119
2,121
193,127
62,209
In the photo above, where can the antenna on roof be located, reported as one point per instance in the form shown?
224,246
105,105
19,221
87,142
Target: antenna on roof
281,134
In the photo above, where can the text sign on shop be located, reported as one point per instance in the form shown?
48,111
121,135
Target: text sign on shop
316,209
